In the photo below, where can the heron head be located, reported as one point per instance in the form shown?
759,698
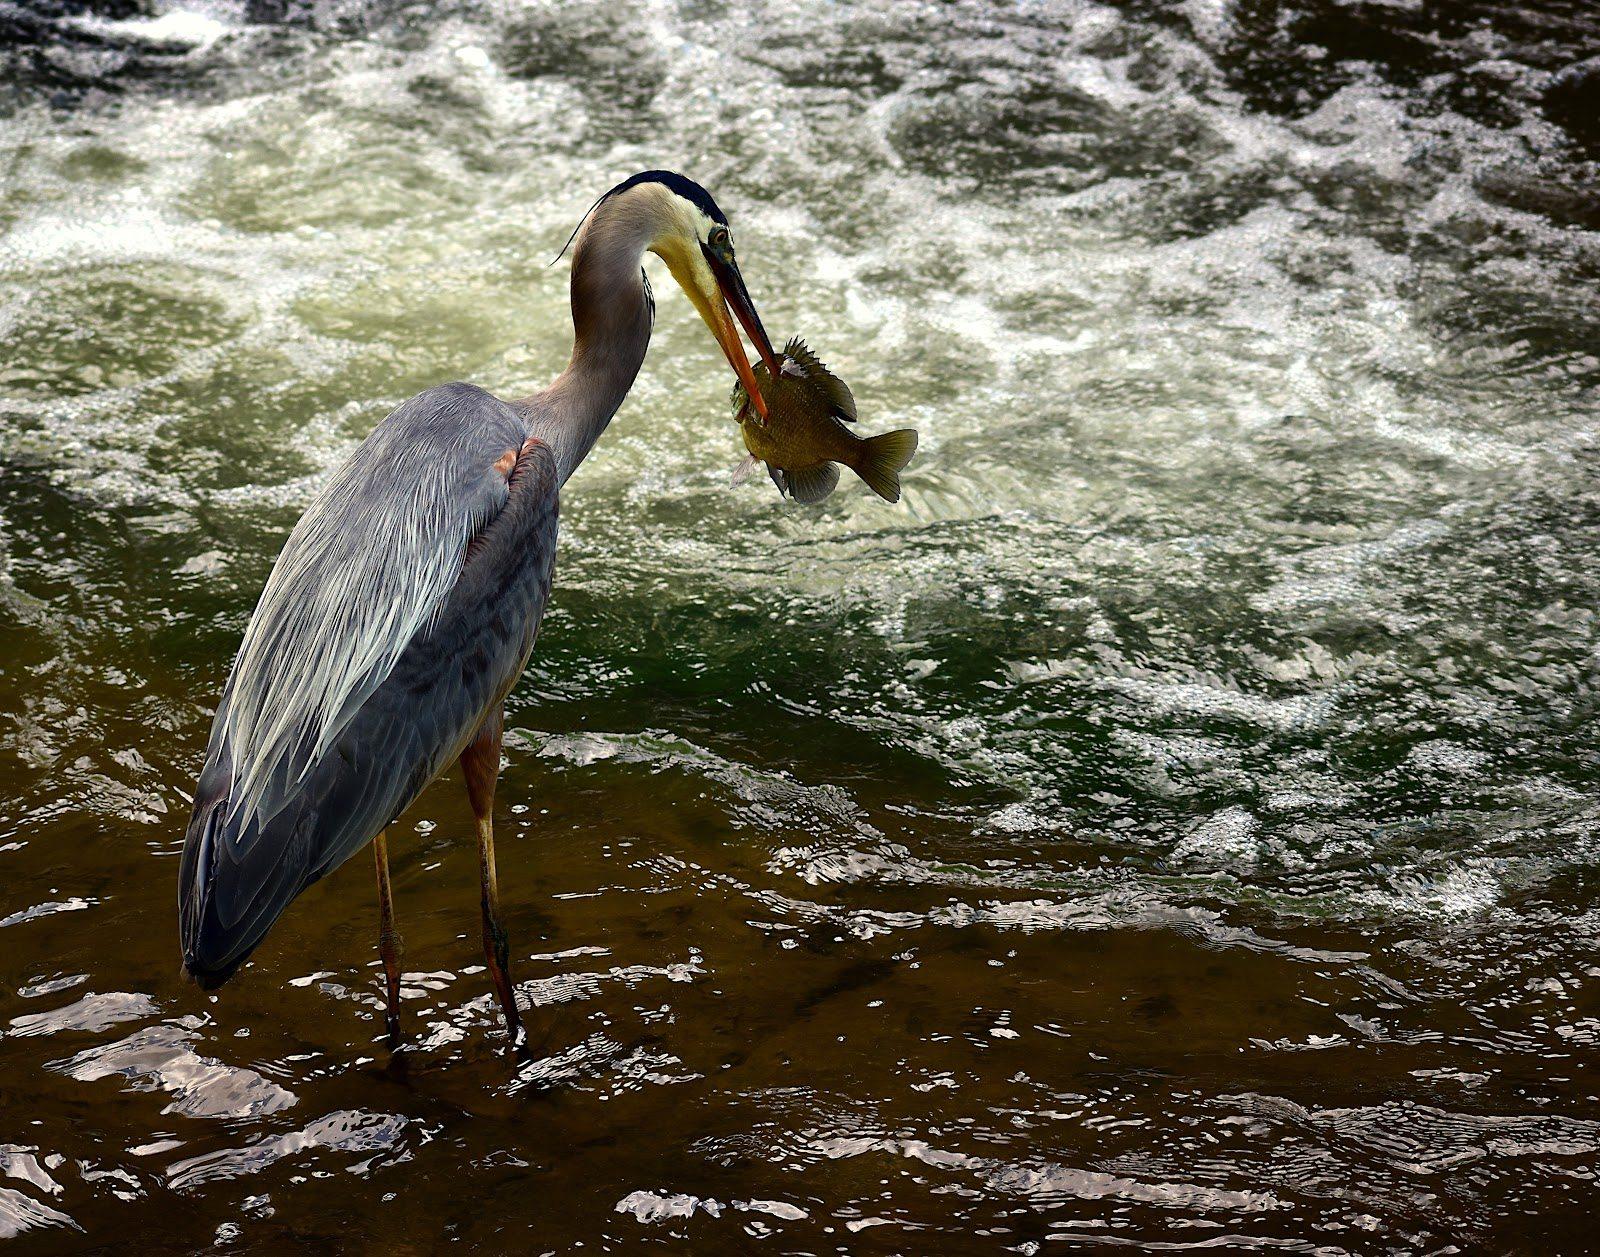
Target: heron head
686,230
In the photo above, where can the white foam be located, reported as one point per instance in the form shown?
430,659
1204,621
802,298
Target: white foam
193,27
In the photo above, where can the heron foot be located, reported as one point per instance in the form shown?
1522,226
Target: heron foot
517,1041
391,1025
497,954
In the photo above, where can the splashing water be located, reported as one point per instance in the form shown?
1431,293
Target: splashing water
1173,824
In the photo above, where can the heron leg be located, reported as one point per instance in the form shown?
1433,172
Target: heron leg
480,763
388,939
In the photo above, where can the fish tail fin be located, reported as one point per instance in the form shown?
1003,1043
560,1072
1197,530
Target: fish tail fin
880,460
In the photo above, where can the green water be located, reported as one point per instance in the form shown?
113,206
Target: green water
1173,822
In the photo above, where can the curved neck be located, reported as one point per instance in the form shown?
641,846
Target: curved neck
611,318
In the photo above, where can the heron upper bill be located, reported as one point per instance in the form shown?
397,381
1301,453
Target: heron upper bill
732,295
738,298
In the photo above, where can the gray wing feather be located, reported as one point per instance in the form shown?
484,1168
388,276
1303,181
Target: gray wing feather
235,878
365,570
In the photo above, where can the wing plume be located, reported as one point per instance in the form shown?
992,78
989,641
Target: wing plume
366,569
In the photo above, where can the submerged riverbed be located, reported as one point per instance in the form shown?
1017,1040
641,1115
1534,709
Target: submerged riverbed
1174,824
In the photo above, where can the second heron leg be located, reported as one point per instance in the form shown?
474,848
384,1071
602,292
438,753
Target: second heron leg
388,939
480,763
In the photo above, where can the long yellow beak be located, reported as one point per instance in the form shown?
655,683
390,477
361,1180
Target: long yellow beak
713,301
737,296
733,349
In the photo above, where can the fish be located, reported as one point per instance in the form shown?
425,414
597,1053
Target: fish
804,438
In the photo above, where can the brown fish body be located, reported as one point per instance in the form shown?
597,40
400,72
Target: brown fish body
800,429
804,437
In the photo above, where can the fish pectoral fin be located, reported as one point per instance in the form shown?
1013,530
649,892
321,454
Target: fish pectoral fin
741,473
812,484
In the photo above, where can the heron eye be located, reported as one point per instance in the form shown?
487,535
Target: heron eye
718,240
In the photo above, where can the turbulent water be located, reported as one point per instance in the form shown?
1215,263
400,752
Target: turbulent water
1172,825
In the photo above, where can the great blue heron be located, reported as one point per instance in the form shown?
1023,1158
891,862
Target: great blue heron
404,604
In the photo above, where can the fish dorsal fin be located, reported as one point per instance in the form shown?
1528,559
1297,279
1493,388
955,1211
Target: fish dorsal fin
840,400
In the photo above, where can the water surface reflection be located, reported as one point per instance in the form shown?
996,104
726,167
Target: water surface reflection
1172,828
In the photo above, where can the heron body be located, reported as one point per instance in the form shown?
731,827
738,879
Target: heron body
405,603
271,817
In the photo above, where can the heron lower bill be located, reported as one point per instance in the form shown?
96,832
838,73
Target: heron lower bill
737,298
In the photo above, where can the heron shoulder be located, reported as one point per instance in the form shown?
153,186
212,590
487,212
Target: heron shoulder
450,413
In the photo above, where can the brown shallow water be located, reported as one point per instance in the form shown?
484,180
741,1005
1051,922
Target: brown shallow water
1173,826
726,1055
